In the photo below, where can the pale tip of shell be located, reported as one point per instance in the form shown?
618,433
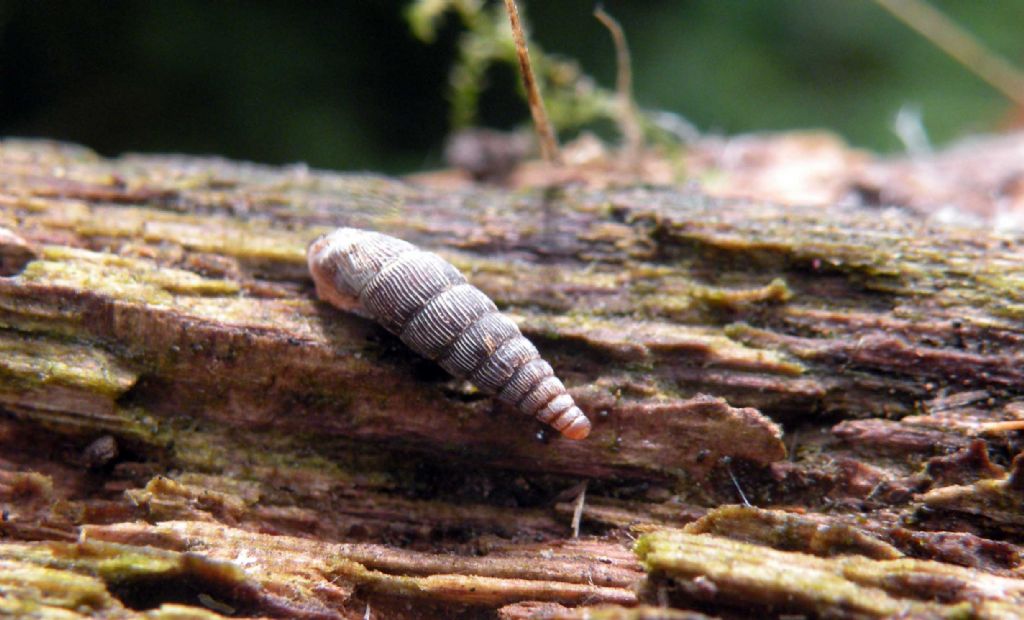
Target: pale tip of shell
579,429
324,273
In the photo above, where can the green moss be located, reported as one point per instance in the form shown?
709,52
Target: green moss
44,578
31,590
774,292
121,277
122,563
38,362
1010,311
844,585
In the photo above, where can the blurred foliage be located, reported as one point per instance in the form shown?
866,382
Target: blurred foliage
348,85
571,97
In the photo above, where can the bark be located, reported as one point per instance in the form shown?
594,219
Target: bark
185,429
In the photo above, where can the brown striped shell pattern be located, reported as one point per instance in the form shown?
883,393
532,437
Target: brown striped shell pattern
423,299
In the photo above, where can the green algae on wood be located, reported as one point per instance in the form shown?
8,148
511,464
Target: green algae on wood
992,502
28,589
791,532
692,327
127,278
171,330
713,569
91,577
308,566
40,362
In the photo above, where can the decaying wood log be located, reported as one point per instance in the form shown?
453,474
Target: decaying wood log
185,431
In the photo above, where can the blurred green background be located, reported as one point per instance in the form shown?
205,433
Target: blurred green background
344,85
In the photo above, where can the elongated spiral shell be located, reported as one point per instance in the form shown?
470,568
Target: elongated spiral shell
424,300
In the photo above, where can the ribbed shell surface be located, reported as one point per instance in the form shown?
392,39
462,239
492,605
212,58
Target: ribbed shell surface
426,301
405,286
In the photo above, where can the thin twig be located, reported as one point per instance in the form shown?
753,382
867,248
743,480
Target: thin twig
1001,427
629,118
546,137
728,467
948,36
577,511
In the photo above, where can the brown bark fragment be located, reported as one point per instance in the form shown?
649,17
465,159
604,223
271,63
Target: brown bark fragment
554,611
792,532
15,253
896,438
279,562
966,465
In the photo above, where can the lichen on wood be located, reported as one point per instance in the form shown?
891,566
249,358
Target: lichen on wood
185,429
706,568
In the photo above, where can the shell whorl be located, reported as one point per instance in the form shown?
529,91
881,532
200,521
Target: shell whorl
424,300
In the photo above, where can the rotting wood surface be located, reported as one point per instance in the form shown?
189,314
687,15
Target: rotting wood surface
185,429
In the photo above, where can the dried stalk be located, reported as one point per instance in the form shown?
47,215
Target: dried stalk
545,135
628,117
948,36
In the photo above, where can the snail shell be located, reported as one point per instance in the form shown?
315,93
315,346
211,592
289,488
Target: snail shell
424,300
